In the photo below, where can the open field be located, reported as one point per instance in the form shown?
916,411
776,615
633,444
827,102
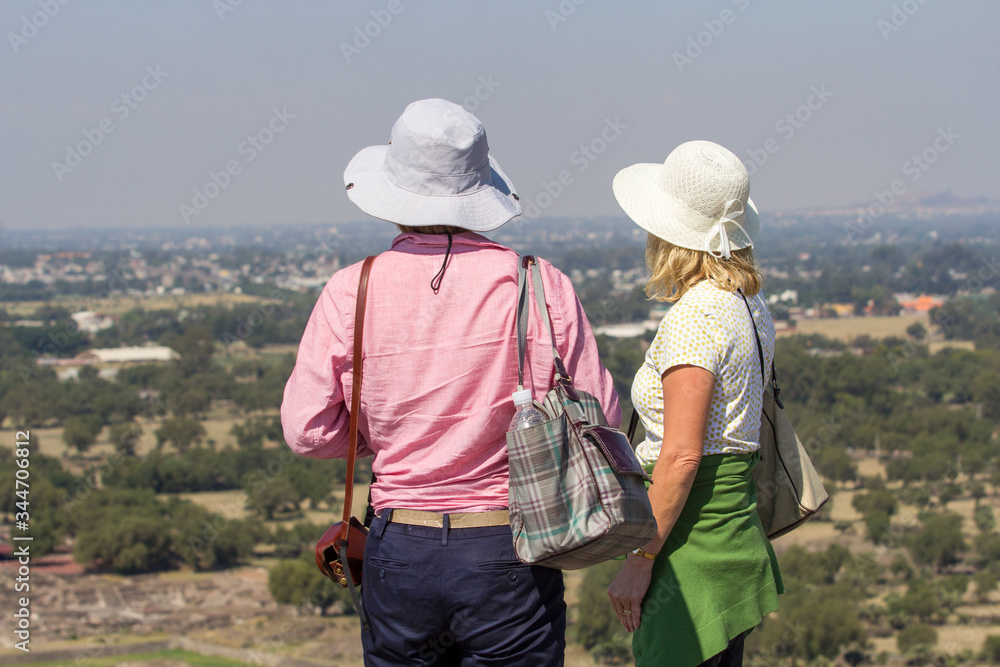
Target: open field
164,658
936,346
240,350
232,503
280,348
817,535
848,328
236,626
218,425
309,638
116,305
175,657
202,619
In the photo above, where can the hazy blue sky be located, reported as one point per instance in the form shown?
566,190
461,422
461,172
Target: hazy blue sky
886,80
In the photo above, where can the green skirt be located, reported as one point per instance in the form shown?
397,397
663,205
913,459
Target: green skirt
716,577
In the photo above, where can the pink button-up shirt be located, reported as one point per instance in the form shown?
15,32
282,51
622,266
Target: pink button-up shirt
438,373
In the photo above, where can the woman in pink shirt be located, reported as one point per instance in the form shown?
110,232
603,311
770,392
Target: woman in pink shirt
442,584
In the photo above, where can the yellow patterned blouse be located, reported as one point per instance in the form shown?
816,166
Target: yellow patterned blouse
710,328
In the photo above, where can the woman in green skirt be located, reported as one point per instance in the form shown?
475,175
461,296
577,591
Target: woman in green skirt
693,593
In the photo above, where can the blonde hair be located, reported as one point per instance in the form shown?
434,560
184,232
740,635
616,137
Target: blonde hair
674,270
431,229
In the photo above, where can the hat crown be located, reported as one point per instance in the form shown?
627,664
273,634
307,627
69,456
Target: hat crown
438,148
704,177
436,170
699,198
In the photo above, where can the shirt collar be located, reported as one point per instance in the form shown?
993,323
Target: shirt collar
465,239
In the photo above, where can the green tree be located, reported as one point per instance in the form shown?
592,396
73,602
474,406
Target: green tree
917,331
916,634
249,434
300,583
991,649
821,567
900,567
314,480
947,493
983,518
274,495
922,601
181,432
195,346
863,572
986,393
125,437
190,401
836,464
857,654
595,620
208,541
986,584
988,547
296,542
253,432
877,524
978,492
955,584
939,541
80,431
596,627
812,624
41,500
127,542
876,507
878,500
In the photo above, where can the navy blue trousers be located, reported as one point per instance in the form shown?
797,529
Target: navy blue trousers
458,597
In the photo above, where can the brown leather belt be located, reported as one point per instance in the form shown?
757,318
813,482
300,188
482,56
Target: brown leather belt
455,520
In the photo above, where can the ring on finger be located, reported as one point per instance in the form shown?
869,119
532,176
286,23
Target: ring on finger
627,612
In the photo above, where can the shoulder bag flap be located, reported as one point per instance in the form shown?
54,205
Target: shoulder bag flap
616,448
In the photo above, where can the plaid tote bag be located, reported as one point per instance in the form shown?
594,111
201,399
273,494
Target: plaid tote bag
577,492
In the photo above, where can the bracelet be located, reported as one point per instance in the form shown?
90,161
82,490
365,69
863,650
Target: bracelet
645,554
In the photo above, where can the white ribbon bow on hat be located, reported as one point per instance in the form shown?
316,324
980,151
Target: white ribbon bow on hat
734,213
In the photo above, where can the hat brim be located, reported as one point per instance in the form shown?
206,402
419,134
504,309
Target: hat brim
482,210
663,216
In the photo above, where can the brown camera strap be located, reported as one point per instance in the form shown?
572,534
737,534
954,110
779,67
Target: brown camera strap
352,453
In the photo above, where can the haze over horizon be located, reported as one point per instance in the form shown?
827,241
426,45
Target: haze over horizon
245,112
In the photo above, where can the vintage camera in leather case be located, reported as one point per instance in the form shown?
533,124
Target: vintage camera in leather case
328,552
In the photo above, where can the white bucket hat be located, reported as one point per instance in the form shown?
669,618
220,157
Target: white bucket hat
699,198
436,170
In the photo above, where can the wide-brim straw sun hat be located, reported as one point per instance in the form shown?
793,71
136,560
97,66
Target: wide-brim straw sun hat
699,198
436,170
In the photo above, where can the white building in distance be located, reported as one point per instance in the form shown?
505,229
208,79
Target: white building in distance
91,322
125,355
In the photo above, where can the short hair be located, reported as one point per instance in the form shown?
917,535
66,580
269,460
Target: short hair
431,229
674,270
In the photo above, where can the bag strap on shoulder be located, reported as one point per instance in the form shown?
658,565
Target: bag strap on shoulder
563,378
756,336
352,438
760,353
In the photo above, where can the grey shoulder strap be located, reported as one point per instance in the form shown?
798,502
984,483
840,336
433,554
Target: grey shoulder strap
523,310
522,315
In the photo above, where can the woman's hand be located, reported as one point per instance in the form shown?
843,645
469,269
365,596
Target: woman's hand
687,399
628,589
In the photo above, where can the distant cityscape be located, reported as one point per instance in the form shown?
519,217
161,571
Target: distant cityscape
801,253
